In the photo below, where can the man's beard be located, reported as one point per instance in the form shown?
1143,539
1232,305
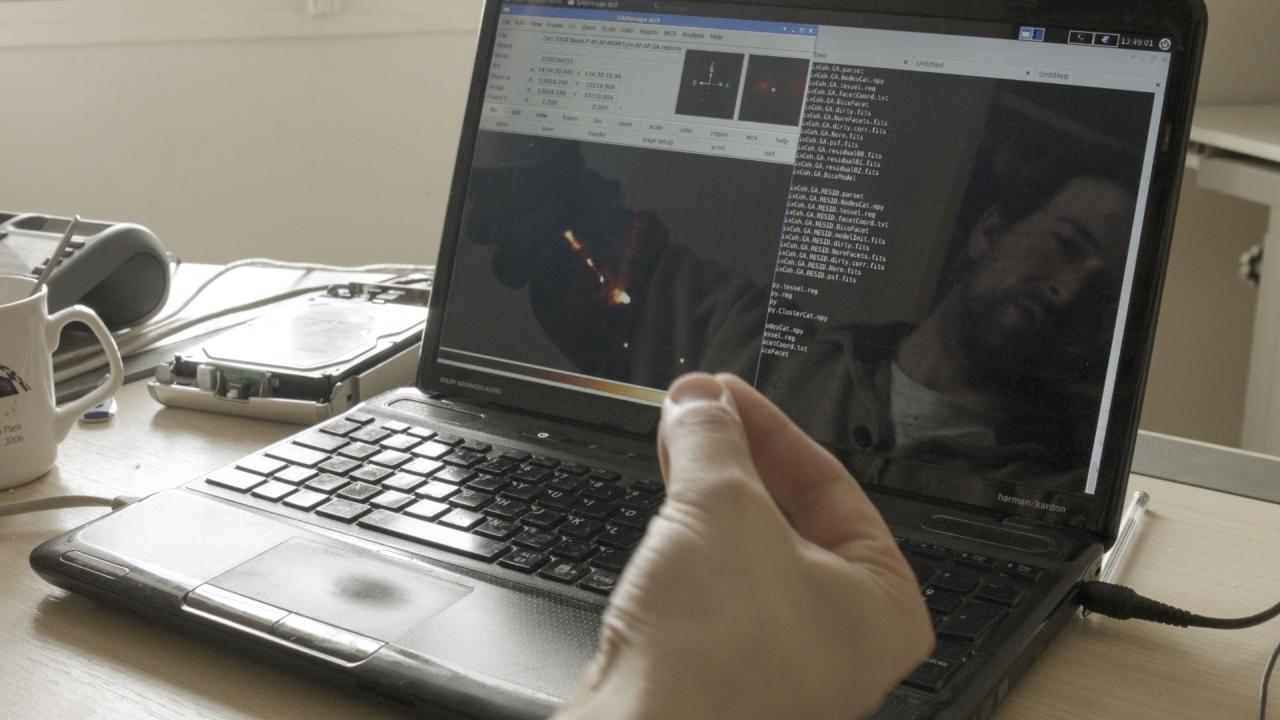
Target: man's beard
1048,355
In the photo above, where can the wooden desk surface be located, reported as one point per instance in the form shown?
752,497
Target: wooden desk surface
62,656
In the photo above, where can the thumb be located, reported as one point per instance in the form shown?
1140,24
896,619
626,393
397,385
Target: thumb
701,441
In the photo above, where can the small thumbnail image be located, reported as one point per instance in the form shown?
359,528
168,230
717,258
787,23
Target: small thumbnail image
709,84
774,90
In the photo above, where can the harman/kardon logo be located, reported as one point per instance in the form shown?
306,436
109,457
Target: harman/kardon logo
11,383
1029,503
471,385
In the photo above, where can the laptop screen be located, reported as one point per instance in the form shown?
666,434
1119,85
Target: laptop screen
916,237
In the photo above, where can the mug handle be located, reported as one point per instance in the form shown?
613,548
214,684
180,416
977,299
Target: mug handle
66,414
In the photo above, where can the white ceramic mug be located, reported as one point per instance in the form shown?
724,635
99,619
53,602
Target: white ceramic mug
31,424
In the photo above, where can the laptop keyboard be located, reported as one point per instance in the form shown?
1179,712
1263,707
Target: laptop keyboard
563,521
968,595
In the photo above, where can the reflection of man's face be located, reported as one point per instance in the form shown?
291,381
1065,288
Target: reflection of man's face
1041,293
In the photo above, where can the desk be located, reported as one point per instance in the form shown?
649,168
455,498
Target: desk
62,656
1236,149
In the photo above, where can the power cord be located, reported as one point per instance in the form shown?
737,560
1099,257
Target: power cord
64,501
1122,603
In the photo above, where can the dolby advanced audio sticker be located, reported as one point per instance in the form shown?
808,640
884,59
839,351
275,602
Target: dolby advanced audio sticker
11,383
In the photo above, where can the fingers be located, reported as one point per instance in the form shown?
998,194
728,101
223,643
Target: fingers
811,487
701,441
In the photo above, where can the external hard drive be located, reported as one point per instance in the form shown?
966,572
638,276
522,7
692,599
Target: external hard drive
309,359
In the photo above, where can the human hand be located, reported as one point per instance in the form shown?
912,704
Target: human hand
767,586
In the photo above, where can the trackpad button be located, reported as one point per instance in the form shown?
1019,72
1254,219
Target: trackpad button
343,586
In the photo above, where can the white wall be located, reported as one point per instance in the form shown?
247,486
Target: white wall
332,146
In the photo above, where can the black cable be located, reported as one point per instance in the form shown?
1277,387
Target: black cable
1122,603
1266,680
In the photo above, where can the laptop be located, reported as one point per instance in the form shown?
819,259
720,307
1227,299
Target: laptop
933,233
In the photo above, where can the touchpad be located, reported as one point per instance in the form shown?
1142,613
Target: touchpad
348,587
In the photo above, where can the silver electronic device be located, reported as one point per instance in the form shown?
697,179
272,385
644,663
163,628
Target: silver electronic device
308,359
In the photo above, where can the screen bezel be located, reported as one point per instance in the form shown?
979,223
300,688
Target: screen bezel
1182,20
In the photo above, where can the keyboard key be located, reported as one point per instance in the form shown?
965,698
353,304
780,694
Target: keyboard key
321,441
306,500
400,442
506,508
488,483
326,483
395,426
543,518
565,572
1020,571
421,433
370,474
613,560
941,601
515,456
524,491
454,475
475,446
574,468
985,562
648,485
392,500
427,509
422,466
1000,591
371,435
391,458
531,474
358,451
523,560
540,461
341,428
295,475
343,510
403,482
928,549
580,528
237,480
259,465
463,458
498,529
338,465
297,455
957,580
470,499
437,491
432,450
359,491
461,518
631,517
273,491
601,581
593,508
924,570
972,620
619,537
427,533
573,549
359,417
447,439
565,482
496,466
558,500
536,539
934,672
606,475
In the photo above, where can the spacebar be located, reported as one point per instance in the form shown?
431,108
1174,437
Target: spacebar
433,535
